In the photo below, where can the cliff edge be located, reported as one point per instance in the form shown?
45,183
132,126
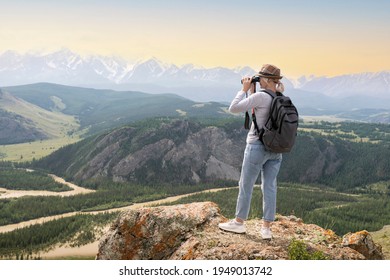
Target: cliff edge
190,231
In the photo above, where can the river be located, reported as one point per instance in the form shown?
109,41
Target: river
78,190
6,193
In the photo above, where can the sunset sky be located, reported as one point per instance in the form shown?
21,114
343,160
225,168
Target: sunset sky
302,37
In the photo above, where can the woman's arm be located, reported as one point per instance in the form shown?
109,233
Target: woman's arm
242,104
239,103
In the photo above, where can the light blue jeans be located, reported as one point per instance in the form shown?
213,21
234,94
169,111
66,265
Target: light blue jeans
256,160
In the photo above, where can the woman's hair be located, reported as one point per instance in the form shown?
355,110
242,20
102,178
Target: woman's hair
279,85
268,80
273,80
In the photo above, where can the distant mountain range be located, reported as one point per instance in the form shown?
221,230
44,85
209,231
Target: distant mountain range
66,67
153,76
347,85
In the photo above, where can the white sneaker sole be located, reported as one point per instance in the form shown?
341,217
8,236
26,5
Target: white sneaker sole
232,230
266,236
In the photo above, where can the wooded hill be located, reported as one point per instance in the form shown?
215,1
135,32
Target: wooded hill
187,152
99,110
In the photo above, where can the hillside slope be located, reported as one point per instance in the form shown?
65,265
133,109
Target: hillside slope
182,151
23,121
17,129
175,151
103,109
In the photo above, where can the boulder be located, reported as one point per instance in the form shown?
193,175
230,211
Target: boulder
155,233
362,242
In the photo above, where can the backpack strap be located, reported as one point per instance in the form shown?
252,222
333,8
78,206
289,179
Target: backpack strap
260,132
246,124
272,94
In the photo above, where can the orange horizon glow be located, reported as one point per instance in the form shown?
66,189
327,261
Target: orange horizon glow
324,39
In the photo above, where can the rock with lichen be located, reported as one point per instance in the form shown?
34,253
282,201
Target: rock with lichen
190,232
362,242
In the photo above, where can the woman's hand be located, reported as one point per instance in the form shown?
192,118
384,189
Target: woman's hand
247,84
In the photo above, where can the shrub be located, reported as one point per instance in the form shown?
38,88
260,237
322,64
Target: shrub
297,250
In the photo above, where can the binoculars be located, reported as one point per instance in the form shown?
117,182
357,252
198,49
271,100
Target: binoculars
255,79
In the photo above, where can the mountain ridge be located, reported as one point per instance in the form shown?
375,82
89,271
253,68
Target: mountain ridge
100,109
153,75
101,69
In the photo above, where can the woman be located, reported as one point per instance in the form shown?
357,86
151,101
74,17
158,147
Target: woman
256,158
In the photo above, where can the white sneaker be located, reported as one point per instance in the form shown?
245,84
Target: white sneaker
233,226
266,233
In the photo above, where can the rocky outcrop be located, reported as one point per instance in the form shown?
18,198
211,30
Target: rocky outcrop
155,233
325,163
190,231
363,243
176,152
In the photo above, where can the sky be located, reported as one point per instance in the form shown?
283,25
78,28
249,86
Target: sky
302,37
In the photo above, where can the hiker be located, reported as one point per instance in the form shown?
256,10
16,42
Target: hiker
256,158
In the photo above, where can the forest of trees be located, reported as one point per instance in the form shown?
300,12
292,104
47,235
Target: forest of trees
19,179
340,212
353,130
351,155
26,242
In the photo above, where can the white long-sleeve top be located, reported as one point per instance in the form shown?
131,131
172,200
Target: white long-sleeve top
261,102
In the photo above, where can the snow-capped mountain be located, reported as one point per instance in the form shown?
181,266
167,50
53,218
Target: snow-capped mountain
60,67
373,84
154,76
67,67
